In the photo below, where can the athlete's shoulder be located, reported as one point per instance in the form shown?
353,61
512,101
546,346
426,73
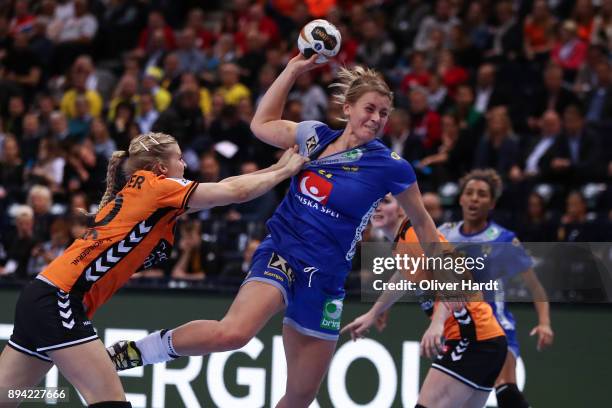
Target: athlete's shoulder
312,134
498,233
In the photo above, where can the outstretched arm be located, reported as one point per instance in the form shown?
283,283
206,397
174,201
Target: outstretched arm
543,329
267,124
246,187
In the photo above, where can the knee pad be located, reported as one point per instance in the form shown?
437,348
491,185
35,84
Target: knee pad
509,396
111,404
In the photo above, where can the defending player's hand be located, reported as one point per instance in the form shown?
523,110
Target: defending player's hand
545,335
431,343
360,326
295,162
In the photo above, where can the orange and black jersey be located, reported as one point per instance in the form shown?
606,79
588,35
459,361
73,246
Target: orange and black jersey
135,229
474,321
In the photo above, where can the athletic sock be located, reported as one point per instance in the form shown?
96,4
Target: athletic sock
509,396
157,347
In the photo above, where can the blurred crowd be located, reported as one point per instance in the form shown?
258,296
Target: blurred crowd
521,86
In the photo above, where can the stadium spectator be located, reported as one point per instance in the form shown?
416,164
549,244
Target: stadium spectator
58,126
553,95
22,66
151,85
19,245
79,124
191,260
172,73
49,166
443,20
191,58
569,52
488,93
104,145
499,147
583,15
190,79
464,109
22,20
96,79
438,98
375,50
535,223
574,158
78,81
147,113
231,88
601,34
576,223
84,171
11,172
155,23
258,210
424,122
550,129
599,100
13,121
507,41
204,39
41,201
74,36
418,75
126,91
30,139
539,32
45,252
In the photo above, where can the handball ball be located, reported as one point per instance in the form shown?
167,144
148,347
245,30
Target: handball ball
319,37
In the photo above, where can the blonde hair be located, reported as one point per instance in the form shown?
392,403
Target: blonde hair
41,190
354,83
144,153
489,176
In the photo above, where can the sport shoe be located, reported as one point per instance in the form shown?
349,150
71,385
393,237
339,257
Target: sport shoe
125,355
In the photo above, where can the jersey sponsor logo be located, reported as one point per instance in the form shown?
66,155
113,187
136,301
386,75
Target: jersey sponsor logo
395,156
311,144
280,264
316,187
332,312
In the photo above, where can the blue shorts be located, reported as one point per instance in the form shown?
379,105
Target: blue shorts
505,318
314,299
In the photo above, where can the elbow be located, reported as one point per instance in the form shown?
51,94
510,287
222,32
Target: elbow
256,128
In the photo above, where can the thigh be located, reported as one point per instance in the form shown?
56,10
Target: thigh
477,400
508,371
440,390
88,368
308,359
254,305
18,370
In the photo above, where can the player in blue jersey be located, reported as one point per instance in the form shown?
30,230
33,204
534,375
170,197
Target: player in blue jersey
479,191
302,265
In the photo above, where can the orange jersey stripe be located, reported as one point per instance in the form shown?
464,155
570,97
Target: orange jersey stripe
476,320
137,226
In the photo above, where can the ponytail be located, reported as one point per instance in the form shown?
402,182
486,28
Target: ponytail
112,176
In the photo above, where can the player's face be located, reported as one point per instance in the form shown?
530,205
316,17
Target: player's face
387,212
175,164
476,201
368,116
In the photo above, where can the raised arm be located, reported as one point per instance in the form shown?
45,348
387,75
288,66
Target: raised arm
267,124
246,187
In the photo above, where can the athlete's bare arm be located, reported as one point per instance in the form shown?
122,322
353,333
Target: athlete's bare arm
267,124
246,187
543,329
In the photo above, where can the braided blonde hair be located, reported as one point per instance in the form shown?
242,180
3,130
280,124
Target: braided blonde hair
145,152
354,83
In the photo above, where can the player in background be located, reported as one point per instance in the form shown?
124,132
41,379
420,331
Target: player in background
468,360
135,225
479,191
302,265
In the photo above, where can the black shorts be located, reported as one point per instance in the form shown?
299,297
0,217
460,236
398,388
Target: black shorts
47,318
474,363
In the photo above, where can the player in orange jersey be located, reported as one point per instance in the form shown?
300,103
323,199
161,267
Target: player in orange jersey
134,226
467,345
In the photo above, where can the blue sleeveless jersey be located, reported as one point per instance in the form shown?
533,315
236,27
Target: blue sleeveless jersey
329,203
503,262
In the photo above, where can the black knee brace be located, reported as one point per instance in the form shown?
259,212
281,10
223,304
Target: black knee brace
509,396
111,404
